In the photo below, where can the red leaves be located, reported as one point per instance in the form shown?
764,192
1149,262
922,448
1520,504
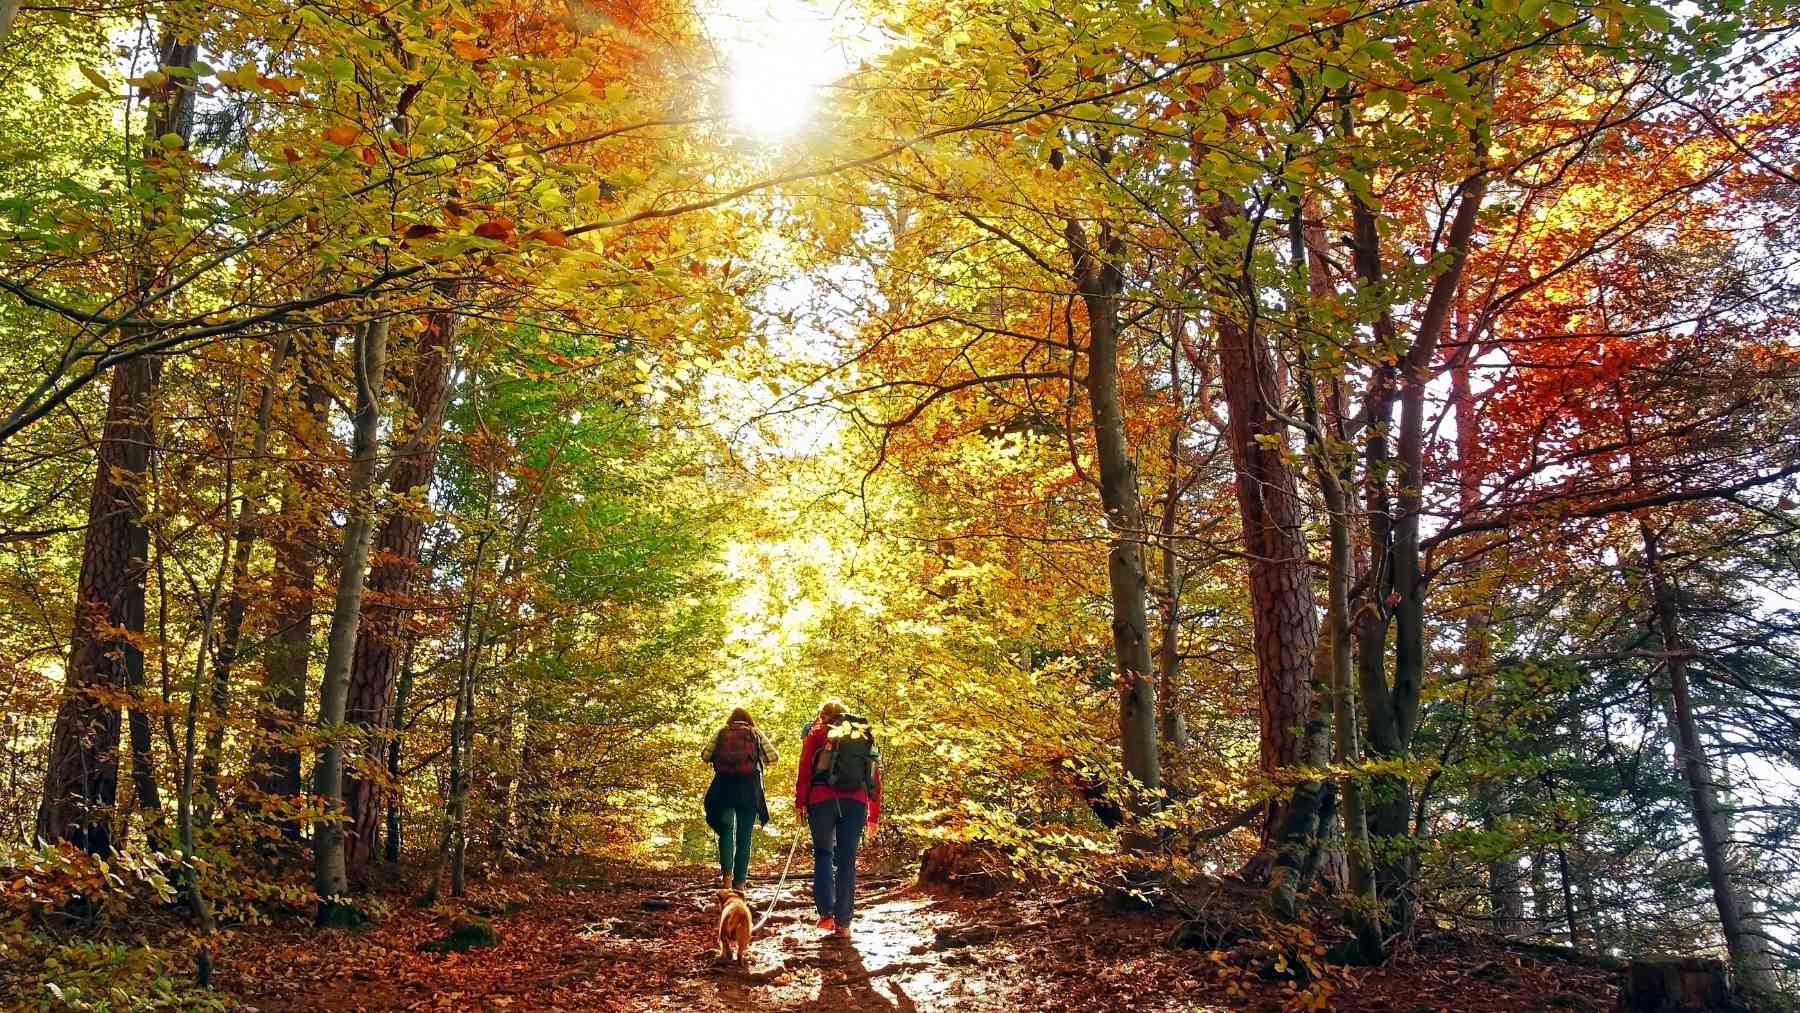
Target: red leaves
498,229
343,135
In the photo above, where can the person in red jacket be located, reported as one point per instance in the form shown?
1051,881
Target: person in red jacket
837,817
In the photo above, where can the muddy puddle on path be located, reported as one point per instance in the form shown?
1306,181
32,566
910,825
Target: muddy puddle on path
887,964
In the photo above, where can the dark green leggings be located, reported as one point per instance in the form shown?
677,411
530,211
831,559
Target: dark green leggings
735,827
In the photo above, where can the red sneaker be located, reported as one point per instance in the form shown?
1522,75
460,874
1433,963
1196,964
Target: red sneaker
827,923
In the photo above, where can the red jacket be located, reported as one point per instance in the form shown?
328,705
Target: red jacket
806,792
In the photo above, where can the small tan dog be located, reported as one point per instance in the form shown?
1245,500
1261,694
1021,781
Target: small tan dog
734,929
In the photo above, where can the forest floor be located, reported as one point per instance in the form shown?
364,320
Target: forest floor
627,938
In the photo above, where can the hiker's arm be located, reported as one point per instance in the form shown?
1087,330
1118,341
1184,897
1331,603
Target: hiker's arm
768,752
803,780
706,754
875,799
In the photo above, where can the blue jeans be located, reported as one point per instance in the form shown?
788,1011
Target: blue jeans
837,828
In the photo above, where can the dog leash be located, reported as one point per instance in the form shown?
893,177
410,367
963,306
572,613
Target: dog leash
780,884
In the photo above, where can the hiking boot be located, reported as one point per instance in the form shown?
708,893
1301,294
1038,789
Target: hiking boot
841,931
739,885
827,923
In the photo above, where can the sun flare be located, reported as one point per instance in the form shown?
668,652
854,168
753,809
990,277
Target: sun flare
779,53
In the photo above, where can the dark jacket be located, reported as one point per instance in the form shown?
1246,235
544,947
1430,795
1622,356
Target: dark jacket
738,791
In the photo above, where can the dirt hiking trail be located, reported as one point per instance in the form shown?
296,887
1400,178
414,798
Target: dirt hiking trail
634,939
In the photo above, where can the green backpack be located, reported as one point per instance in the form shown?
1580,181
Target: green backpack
847,759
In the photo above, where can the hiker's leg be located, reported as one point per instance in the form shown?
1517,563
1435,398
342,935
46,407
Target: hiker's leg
822,818
849,837
727,829
746,825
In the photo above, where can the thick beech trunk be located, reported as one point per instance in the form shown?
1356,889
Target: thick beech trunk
329,876
1099,281
383,636
81,779
1394,510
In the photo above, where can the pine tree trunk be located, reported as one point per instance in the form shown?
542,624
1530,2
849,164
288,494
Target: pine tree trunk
1099,282
329,871
384,634
81,778
1293,732
1748,959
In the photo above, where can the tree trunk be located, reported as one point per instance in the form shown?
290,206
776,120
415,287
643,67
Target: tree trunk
143,768
9,11
330,878
1570,918
1393,709
1748,957
296,539
1505,898
184,799
1335,648
81,779
472,637
391,846
384,634
1284,617
1168,652
1099,281
238,603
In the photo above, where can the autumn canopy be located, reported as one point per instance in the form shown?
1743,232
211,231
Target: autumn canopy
1348,447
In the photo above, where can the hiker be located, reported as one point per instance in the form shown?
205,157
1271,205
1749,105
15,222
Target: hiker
735,800
839,790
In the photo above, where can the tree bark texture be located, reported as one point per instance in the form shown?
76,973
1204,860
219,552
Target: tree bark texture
297,541
384,632
1748,958
329,876
1099,281
105,660
1284,616
1168,651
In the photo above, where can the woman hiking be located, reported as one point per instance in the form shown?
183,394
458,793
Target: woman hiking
838,793
735,802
